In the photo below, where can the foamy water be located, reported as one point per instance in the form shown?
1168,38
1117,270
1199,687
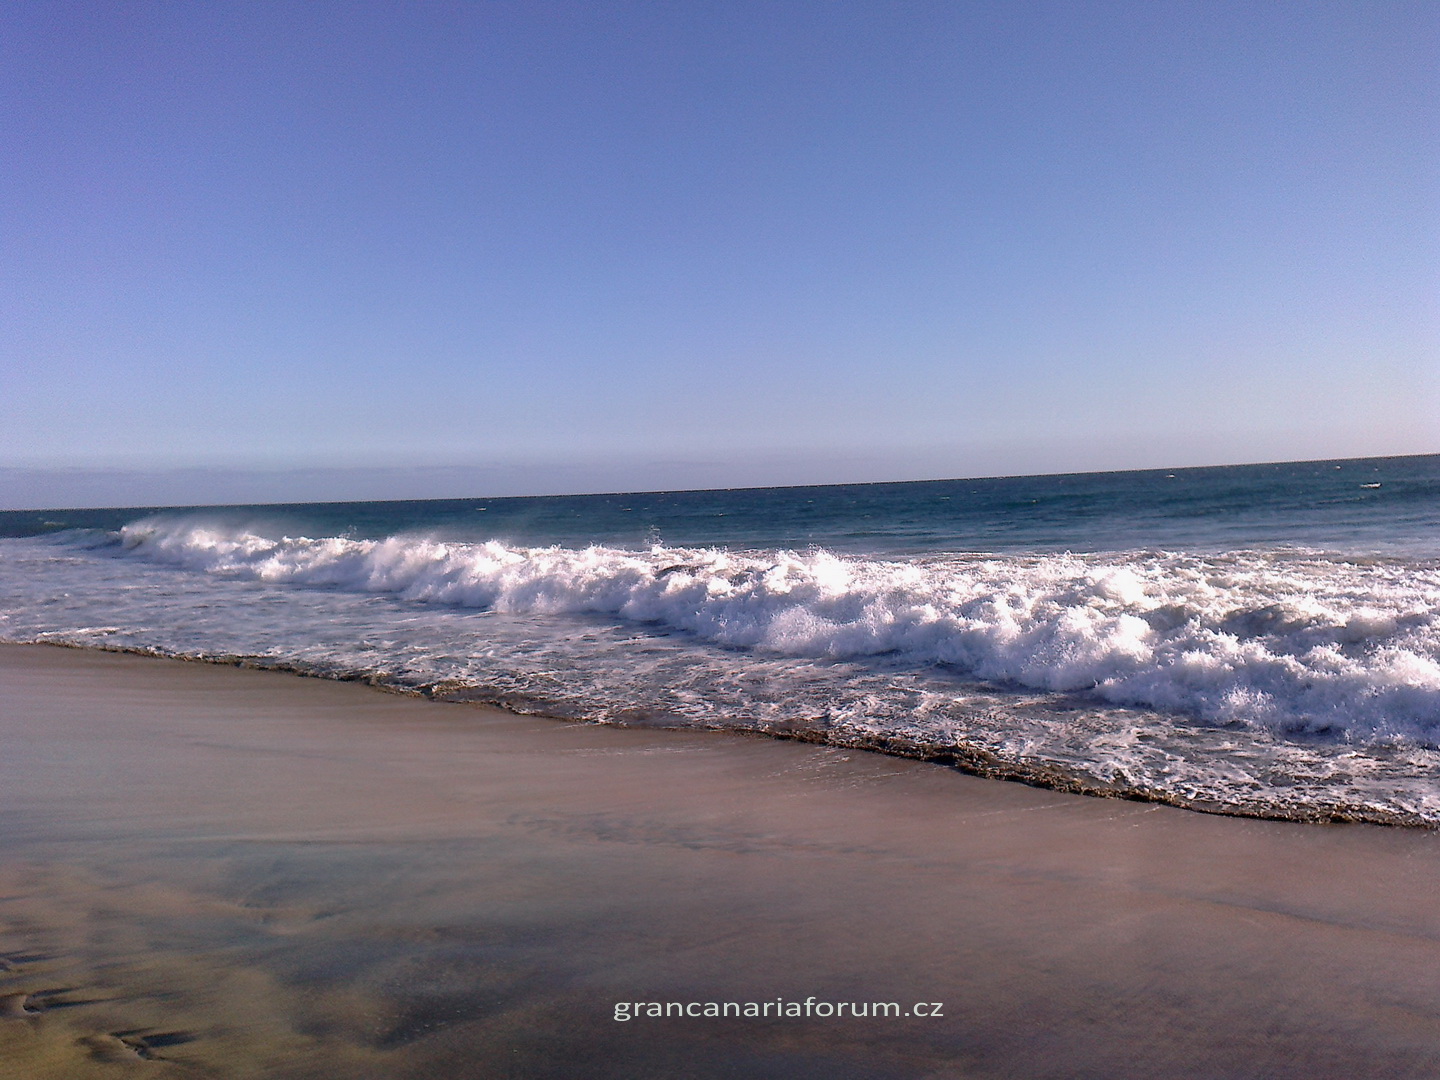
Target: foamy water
1291,640
1274,679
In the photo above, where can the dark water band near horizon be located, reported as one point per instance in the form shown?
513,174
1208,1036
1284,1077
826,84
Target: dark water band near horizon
1260,639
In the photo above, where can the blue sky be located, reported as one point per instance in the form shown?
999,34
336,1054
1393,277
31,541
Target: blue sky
303,250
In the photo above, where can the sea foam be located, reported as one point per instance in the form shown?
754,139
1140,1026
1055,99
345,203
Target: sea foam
1289,641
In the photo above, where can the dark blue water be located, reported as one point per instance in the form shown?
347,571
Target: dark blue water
1372,504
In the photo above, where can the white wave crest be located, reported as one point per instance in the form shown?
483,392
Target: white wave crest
1289,641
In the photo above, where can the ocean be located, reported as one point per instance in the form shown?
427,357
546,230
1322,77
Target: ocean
1259,639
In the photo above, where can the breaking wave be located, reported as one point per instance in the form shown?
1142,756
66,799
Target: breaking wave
1290,641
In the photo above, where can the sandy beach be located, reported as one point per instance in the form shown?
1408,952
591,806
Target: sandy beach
211,871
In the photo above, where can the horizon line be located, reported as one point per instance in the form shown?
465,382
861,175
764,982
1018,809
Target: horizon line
360,469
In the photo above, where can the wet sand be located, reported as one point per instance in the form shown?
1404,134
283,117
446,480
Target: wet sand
209,871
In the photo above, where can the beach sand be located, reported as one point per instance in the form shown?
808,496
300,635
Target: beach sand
212,871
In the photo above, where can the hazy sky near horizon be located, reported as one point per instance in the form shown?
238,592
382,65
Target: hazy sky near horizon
579,246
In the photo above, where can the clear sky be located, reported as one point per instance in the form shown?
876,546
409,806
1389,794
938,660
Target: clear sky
309,250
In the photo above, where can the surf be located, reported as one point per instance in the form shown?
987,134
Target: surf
1294,641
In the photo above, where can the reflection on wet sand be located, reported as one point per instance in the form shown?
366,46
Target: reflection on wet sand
207,871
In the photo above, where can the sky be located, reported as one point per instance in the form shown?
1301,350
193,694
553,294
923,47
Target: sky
269,251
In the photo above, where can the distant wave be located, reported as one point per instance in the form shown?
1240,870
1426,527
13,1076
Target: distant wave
1291,641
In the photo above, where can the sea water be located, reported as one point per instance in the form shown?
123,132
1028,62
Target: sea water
1256,639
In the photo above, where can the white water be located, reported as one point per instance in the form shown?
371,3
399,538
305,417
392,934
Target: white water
1287,640
1273,682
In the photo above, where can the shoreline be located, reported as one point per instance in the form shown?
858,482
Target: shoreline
970,760
225,871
